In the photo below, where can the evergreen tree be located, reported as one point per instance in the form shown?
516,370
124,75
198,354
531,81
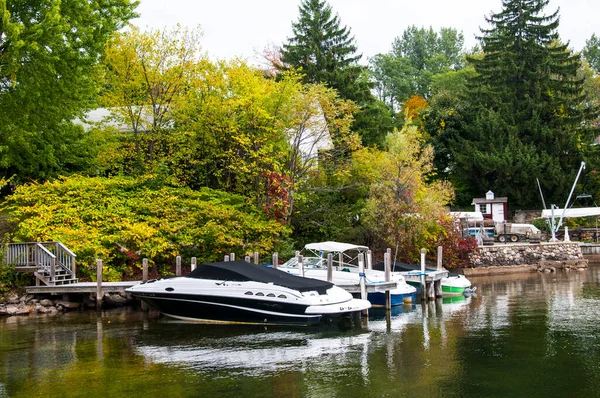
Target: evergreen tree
527,116
326,53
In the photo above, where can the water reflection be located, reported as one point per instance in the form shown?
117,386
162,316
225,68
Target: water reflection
489,344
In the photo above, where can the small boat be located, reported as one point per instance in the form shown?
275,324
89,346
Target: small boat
346,271
453,285
238,292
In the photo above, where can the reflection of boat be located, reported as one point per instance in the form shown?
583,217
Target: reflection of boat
453,285
346,271
240,292
249,351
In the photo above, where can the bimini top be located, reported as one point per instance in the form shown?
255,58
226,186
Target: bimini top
336,247
242,271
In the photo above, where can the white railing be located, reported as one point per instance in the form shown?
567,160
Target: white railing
46,256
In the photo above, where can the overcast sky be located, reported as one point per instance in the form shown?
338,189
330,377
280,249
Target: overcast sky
244,28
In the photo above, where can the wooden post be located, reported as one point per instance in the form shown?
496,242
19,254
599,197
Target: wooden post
247,259
178,266
232,256
363,279
145,270
329,267
438,288
193,263
369,259
431,291
99,295
423,287
340,262
275,260
301,265
256,258
439,258
387,266
226,259
52,269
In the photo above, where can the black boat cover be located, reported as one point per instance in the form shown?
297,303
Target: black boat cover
403,267
242,271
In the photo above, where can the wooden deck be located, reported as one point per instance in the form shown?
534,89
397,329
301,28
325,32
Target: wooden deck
82,287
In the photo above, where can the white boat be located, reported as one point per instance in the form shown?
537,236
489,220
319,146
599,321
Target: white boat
237,292
453,285
346,270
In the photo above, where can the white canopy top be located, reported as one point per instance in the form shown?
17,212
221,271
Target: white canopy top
579,212
336,247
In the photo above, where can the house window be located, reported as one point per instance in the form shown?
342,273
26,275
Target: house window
483,208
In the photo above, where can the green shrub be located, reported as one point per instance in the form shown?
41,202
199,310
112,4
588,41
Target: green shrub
122,220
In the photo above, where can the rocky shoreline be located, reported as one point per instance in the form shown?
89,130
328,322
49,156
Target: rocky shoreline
30,304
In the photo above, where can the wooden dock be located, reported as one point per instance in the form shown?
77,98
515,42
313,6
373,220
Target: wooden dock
81,287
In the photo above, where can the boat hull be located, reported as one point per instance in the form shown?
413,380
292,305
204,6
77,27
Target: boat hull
229,310
377,299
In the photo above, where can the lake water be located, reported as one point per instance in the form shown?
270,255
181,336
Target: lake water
528,335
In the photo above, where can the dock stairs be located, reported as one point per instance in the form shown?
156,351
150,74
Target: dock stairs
52,263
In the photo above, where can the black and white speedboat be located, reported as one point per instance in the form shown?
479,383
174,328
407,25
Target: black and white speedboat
240,292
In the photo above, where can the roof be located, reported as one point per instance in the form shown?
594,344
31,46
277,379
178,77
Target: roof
481,201
242,271
336,247
577,212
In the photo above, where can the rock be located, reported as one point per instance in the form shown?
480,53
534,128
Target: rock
46,303
40,309
118,299
13,309
70,305
3,310
27,298
13,299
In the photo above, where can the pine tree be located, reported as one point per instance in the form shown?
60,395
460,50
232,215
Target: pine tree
326,53
527,84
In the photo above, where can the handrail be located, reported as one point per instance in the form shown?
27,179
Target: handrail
43,255
65,248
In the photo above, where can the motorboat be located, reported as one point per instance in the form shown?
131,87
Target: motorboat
345,258
452,285
238,292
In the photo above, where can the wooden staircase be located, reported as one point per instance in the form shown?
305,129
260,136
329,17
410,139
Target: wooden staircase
52,263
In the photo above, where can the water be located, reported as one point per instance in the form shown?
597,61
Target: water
527,335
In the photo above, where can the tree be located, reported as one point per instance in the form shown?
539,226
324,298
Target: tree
526,115
48,57
404,211
415,59
591,53
324,52
148,74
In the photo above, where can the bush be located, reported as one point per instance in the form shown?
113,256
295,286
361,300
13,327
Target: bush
122,220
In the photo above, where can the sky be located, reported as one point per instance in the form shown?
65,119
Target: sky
244,28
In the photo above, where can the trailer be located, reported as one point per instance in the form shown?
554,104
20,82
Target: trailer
512,232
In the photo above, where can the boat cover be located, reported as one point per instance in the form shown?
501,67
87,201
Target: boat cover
334,247
242,271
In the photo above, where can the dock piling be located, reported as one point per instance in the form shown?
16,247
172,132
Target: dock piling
275,260
329,267
423,287
99,295
145,270
178,266
193,263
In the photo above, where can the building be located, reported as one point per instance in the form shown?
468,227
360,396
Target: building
492,208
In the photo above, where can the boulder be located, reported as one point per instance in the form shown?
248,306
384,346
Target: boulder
68,305
46,303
